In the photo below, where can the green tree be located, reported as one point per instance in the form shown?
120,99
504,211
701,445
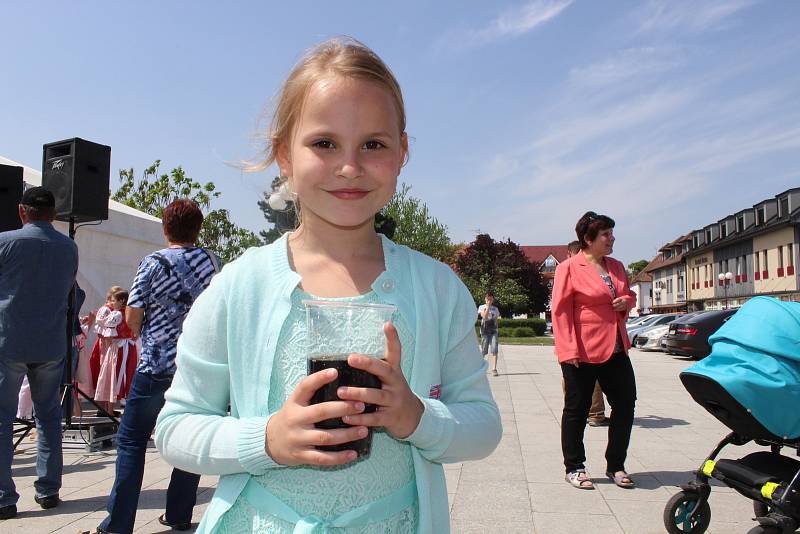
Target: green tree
153,192
224,237
637,266
281,220
415,227
502,267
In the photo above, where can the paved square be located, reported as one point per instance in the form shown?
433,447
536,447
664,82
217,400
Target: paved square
518,489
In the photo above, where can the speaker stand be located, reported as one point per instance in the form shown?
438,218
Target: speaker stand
70,388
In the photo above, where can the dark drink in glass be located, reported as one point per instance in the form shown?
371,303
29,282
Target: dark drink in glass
337,329
347,376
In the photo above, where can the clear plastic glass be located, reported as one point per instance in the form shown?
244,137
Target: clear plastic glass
336,330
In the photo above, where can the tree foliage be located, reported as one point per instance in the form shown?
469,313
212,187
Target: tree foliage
637,266
415,227
153,192
502,267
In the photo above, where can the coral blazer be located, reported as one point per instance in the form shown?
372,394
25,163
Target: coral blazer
584,323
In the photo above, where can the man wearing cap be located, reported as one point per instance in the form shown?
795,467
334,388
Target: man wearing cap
37,270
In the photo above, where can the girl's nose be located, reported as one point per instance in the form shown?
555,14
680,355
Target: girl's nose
350,165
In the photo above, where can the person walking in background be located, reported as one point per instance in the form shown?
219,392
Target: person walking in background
591,300
489,315
165,287
597,412
38,266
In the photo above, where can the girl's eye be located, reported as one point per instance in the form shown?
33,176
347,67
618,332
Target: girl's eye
374,145
323,143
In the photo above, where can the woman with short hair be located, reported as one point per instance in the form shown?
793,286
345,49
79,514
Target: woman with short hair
591,300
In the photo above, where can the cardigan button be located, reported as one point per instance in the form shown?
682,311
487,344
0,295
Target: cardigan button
388,285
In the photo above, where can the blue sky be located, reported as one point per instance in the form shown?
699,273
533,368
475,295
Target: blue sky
666,115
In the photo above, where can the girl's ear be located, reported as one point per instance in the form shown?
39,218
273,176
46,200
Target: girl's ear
403,150
283,159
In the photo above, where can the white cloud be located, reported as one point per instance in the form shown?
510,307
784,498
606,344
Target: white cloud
659,15
510,23
627,65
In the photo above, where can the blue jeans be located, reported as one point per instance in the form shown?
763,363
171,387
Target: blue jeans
45,381
145,400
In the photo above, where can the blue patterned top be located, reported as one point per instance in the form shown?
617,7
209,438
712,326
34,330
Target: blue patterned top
166,285
328,492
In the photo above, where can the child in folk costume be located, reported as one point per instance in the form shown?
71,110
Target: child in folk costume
119,361
100,343
83,373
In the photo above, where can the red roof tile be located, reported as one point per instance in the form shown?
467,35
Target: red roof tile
539,253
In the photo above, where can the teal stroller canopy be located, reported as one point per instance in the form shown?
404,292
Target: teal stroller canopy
755,357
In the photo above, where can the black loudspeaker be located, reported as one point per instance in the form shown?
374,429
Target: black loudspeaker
77,173
10,196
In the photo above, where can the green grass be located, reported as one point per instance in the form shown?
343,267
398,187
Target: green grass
543,340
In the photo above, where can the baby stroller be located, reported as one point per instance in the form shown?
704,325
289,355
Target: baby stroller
751,383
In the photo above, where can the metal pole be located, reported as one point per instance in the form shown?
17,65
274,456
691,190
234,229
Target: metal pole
68,400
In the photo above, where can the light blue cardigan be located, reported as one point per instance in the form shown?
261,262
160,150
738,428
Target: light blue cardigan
225,355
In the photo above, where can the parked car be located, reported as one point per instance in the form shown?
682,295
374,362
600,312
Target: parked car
654,320
650,338
689,337
635,321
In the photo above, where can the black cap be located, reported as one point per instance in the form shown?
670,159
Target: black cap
38,197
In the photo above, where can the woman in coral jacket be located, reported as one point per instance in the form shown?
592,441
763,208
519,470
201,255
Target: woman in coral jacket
590,303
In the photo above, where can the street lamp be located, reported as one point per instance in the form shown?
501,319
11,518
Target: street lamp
725,280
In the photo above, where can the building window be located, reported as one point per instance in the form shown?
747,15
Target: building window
708,236
680,283
783,207
669,286
760,215
765,267
740,223
695,241
756,265
723,230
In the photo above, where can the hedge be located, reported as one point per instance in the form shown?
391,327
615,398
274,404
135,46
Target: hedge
507,326
517,331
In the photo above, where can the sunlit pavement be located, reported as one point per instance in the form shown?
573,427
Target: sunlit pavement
520,488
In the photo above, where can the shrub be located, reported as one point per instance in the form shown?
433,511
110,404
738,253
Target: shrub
524,331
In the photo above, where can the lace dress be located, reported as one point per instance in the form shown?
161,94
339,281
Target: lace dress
328,492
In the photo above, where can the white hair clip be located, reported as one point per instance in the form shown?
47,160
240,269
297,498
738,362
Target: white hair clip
279,198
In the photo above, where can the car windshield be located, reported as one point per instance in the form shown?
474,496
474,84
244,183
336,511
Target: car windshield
650,320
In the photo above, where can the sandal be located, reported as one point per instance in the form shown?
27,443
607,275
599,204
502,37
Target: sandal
622,479
579,479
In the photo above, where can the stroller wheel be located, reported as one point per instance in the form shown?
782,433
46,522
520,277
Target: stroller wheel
761,509
676,514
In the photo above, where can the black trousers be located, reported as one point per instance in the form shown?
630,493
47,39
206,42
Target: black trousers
615,376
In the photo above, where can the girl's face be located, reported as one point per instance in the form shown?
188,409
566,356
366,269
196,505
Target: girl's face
345,152
117,304
603,245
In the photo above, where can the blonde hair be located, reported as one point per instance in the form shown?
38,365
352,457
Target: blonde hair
341,56
111,291
120,296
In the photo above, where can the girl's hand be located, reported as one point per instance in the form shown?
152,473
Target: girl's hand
291,435
619,304
398,409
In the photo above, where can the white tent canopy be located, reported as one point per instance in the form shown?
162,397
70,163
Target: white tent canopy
109,253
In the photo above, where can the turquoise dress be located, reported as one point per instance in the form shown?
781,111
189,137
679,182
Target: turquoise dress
328,492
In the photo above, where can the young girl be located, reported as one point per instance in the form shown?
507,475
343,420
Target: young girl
119,361
338,135
100,343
